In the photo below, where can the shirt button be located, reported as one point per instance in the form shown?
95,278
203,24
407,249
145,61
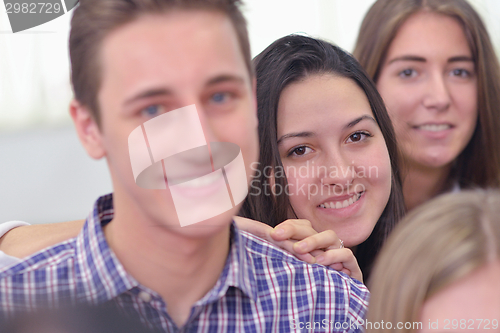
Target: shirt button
145,296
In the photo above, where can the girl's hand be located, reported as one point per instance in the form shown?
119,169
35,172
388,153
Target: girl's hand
300,239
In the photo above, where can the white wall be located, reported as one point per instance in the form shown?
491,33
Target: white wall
45,176
335,20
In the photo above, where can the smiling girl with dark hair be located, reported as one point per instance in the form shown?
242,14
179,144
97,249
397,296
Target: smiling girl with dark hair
319,111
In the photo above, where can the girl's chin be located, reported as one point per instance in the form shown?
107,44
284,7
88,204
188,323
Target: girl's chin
434,160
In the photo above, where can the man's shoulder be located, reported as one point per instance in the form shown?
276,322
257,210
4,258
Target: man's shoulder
309,294
57,255
265,256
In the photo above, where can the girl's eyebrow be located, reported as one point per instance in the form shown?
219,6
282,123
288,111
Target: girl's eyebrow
357,120
422,59
407,58
295,135
311,134
460,58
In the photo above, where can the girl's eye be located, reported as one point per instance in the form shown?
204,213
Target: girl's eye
460,72
299,151
407,73
358,136
151,111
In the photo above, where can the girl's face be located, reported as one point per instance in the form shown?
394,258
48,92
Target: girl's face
471,302
334,155
429,85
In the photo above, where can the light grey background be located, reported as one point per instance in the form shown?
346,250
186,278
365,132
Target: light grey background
46,176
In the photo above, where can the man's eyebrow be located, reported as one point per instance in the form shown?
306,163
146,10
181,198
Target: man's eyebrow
147,94
155,92
295,135
357,120
407,58
225,78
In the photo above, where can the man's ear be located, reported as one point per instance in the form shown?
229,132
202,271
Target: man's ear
87,129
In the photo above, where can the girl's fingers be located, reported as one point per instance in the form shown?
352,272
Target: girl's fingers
324,240
344,257
293,229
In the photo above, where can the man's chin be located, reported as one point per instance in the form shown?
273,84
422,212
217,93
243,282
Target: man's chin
205,228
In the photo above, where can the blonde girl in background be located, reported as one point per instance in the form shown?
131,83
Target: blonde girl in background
440,268
436,69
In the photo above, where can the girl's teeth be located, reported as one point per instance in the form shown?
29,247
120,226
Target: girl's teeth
435,128
344,204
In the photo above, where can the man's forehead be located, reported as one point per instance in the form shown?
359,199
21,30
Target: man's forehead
172,33
175,46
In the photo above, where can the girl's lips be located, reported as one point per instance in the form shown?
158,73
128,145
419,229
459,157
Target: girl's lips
341,202
435,131
347,211
434,127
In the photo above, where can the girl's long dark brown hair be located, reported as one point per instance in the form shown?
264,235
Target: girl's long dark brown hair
290,59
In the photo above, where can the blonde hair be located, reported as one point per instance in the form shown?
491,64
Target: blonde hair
479,163
433,246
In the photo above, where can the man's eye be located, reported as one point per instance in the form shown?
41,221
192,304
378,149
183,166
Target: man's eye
299,151
358,136
220,97
151,111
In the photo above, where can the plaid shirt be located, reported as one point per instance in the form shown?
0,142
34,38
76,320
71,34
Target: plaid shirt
261,288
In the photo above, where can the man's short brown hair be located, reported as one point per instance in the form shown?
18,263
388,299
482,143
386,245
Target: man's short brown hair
93,20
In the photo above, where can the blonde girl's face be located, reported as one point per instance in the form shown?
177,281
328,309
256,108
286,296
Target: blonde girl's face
334,155
472,302
429,84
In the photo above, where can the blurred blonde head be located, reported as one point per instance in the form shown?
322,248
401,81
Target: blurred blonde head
435,245
479,163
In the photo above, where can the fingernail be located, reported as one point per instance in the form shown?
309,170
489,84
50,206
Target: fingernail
320,259
302,245
279,231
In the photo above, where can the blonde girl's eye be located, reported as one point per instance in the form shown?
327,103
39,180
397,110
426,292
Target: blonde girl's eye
461,72
408,73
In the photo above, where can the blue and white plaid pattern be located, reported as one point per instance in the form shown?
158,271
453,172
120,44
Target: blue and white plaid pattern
261,289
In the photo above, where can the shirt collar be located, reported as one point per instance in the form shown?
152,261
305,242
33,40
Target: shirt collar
101,274
238,270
